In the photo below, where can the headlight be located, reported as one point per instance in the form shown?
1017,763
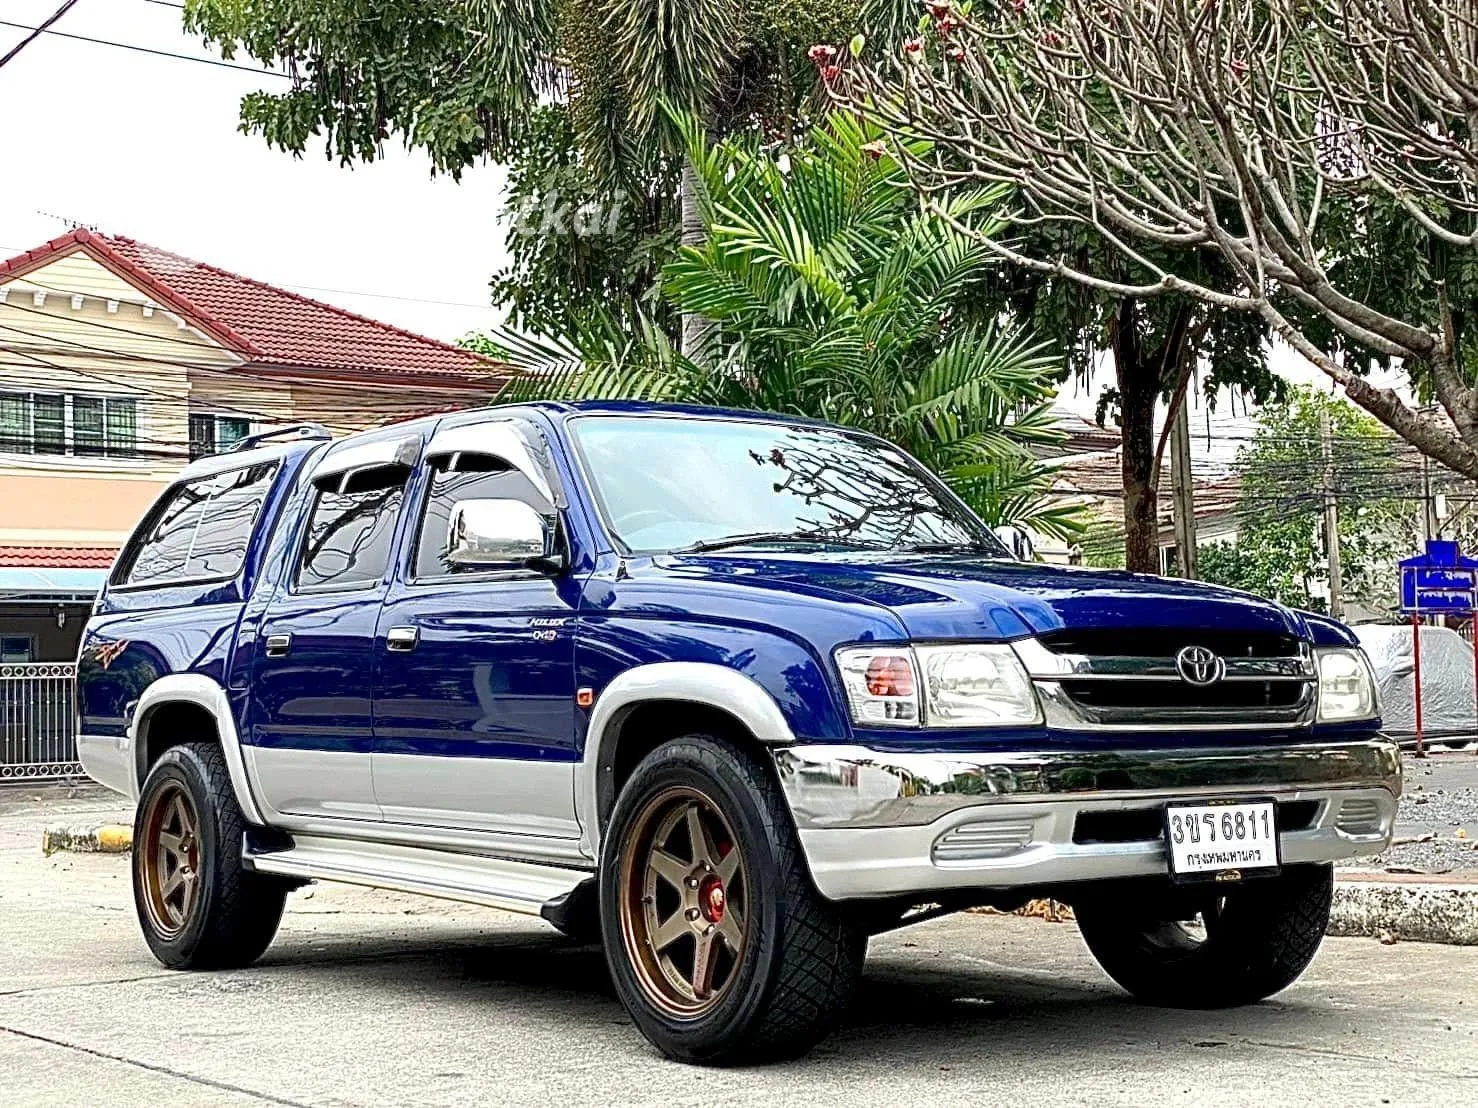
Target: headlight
1346,687
977,685
965,685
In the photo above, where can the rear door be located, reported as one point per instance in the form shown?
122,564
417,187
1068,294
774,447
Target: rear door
311,724
475,678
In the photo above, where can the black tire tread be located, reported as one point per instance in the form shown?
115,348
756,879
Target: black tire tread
819,958
243,909
1274,929
821,963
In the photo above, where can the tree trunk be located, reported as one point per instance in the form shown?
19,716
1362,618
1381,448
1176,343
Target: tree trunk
1138,389
696,329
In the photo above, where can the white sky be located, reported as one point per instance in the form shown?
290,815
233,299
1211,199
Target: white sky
147,147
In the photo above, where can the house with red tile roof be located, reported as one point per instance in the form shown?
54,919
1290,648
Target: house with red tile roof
119,362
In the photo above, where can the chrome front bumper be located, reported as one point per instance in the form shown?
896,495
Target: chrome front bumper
879,824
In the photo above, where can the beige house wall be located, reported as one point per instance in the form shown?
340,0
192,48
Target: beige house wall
72,326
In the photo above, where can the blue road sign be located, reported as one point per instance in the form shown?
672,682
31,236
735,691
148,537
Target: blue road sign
1439,581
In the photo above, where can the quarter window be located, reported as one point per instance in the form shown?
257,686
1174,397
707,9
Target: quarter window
203,529
351,529
474,477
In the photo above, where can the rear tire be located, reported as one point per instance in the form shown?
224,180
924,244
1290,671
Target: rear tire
198,907
718,943
1258,938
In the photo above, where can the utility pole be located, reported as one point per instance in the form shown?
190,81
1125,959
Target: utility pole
1183,491
1331,517
1431,527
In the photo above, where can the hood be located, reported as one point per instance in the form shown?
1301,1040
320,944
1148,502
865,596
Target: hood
942,596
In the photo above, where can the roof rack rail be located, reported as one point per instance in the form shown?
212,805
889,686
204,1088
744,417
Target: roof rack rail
313,432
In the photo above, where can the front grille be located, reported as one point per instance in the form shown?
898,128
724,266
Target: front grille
1128,679
1147,825
1177,695
1161,642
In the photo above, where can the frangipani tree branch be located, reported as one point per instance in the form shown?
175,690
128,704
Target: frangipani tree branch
1176,128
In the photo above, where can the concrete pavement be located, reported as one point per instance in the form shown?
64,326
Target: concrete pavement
373,998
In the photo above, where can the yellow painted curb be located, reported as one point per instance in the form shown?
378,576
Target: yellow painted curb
108,838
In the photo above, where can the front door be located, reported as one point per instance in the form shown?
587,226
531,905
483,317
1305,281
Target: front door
475,677
311,729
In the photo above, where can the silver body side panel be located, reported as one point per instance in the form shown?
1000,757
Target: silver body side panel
328,784
485,794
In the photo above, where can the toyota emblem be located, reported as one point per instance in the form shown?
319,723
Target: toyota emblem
1199,666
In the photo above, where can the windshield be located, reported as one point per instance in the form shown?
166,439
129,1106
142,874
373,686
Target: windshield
673,483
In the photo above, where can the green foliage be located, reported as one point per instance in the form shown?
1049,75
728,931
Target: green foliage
577,246
1279,550
835,296
456,79
483,344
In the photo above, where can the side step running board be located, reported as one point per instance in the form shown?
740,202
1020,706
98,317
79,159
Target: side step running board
494,882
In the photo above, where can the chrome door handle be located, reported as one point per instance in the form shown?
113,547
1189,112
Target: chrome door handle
402,638
279,645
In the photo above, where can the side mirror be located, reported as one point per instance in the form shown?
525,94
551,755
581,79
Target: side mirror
500,534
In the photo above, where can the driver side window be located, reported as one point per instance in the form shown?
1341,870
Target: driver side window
467,477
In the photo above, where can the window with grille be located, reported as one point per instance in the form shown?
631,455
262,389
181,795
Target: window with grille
215,434
64,423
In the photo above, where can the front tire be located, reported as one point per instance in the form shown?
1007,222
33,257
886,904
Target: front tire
198,907
718,943
1253,940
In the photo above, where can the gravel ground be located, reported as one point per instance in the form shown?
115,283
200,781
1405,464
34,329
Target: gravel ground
1437,824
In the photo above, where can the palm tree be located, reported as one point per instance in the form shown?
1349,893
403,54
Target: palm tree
832,294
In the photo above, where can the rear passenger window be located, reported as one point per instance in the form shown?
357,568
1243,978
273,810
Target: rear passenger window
203,529
476,477
351,528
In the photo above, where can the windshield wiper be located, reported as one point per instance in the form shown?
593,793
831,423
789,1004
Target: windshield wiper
705,545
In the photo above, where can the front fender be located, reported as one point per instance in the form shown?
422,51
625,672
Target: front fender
705,683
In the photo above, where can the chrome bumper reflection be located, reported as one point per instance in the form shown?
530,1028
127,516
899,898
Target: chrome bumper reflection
877,824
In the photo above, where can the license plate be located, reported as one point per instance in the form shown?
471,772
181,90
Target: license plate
1223,840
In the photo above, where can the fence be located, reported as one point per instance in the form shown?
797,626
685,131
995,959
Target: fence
38,721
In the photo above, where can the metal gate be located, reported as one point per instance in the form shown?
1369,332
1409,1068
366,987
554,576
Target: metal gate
38,712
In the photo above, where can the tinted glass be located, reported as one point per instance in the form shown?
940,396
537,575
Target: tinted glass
87,425
15,422
166,549
476,478
204,530
227,522
51,423
350,531
668,483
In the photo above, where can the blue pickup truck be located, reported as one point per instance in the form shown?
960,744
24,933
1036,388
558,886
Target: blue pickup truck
726,692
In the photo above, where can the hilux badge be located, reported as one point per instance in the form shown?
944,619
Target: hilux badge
1199,666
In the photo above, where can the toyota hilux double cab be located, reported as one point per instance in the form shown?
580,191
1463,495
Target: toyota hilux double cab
726,692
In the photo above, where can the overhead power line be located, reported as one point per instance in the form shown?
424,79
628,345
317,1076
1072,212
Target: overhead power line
36,32
142,50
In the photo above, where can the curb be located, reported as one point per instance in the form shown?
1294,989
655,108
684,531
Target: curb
107,838
1423,908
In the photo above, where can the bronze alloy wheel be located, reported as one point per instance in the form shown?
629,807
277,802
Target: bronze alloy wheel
684,902
170,857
